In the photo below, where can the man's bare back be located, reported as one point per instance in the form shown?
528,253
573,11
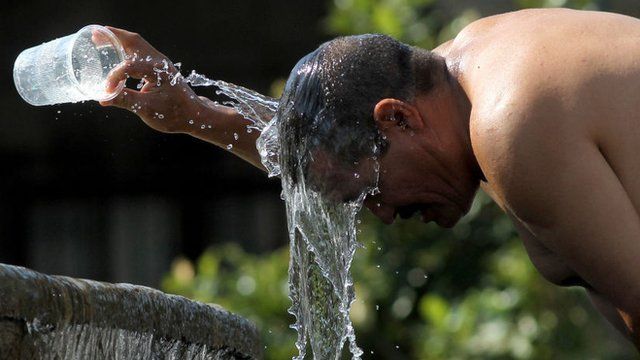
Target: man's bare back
555,127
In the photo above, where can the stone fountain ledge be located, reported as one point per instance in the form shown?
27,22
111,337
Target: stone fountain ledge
33,303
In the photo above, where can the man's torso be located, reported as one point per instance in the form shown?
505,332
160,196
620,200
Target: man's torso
582,67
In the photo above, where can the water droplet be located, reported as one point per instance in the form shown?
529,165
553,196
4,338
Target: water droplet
235,136
59,111
356,175
148,58
160,116
202,126
191,122
377,307
230,146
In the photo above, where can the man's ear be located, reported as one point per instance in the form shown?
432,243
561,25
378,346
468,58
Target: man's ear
394,113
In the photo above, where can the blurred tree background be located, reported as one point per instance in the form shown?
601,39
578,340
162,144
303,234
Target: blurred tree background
422,292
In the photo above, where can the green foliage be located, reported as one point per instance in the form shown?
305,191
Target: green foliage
469,292
422,23
416,22
421,292
574,4
252,285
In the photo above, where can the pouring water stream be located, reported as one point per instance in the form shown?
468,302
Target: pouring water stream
322,235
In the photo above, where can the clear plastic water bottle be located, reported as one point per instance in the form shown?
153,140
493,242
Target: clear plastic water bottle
69,69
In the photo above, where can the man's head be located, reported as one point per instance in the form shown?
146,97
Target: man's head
362,100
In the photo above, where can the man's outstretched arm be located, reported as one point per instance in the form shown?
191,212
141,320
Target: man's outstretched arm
176,108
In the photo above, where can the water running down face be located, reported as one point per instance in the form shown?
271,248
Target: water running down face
420,172
410,180
355,96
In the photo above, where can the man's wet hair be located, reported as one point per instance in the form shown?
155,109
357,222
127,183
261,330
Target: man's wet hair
329,98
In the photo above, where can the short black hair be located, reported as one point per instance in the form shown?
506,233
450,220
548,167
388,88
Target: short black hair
329,98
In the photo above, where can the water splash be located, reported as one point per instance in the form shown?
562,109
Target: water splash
255,107
322,245
322,235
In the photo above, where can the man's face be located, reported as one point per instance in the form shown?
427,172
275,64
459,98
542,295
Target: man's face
339,181
409,180
412,182
427,168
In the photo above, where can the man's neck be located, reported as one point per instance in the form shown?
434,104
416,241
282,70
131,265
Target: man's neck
460,109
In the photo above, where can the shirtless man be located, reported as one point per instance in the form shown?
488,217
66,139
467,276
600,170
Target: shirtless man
539,107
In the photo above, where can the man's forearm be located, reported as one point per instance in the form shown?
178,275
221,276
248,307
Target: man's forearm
224,127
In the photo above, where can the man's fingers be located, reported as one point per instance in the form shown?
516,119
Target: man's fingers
127,99
135,46
132,42
142,59
133,69
99,38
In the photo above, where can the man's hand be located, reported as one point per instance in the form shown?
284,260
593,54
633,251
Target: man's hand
167,104
164,102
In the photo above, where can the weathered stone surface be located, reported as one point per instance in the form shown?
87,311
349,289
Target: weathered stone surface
11,332
29,299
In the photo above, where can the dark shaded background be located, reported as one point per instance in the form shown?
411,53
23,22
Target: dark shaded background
92,192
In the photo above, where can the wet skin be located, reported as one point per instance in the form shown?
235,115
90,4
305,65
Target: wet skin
554,128
541,110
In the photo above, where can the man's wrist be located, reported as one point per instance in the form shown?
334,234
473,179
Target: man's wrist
195,112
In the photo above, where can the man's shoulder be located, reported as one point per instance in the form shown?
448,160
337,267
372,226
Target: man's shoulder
491,26
518,149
